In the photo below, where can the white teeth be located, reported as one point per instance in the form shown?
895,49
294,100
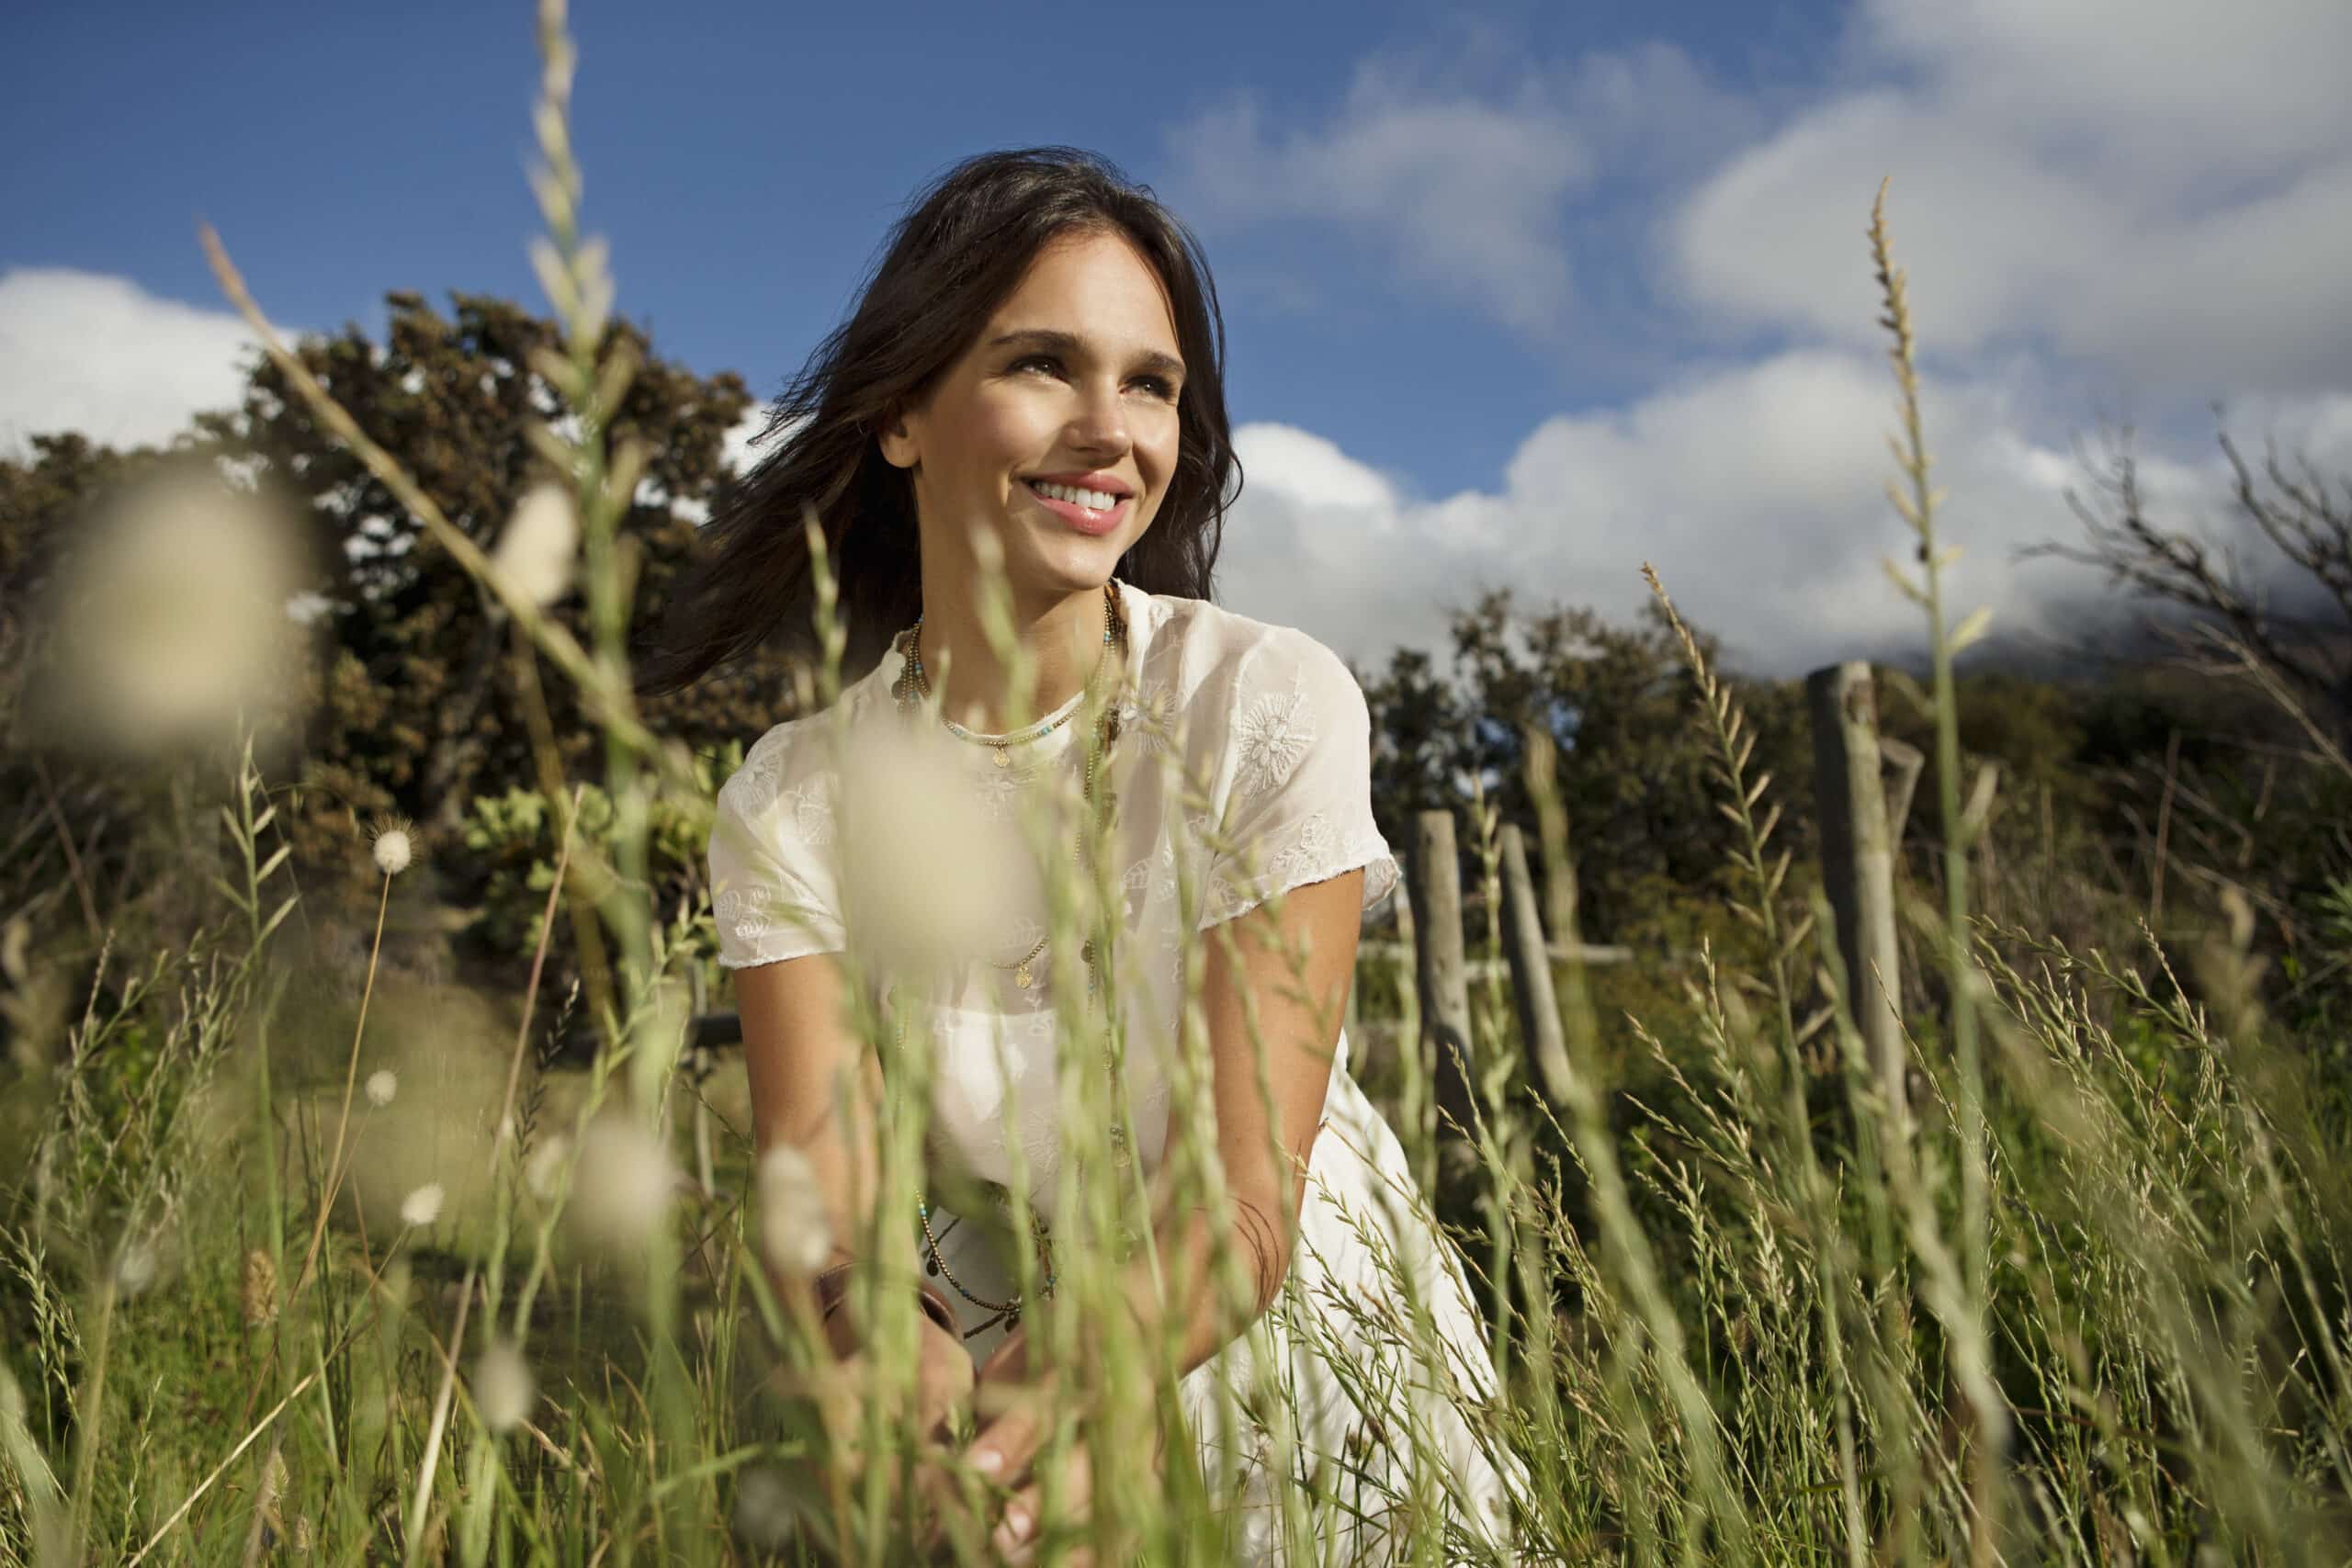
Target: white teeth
1092,500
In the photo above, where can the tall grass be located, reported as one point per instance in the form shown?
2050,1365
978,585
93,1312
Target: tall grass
2078,1297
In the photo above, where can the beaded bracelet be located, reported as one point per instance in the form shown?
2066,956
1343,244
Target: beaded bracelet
831,1286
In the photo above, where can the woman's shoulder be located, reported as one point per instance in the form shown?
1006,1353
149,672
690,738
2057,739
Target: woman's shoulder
788,773
1217,652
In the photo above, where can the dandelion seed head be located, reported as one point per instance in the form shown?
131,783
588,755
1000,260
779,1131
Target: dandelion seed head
382,1085
392,848
796,1233
504,1390
422,1207
622,1185
537,551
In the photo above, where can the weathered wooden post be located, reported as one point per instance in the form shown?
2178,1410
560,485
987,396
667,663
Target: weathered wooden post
1858,857
1441,981
1531,971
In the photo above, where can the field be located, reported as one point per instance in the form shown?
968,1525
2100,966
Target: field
313,1250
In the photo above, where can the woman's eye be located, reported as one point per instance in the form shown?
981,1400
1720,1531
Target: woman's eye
1158,384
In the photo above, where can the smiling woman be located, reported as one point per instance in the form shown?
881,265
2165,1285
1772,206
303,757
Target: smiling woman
1029,395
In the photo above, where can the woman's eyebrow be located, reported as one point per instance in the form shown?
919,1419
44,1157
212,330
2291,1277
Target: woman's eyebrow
1072,344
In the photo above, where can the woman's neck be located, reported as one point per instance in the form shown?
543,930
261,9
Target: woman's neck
1062,639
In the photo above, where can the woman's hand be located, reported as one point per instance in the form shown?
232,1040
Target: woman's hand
1017,1408
943,1382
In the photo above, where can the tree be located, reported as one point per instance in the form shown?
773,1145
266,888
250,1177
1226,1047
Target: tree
418,709
1632,770
2300,630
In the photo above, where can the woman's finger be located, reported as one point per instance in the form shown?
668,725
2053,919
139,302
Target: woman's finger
1001,1452
1019,1531
1014,1424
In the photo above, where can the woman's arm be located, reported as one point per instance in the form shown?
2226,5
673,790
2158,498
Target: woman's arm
800,1055
1300,1032
1300,1036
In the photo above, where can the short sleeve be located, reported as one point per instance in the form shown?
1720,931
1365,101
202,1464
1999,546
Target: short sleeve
1295,786
773,888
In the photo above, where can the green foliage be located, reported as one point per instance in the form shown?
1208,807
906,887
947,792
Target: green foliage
1614,701
513,841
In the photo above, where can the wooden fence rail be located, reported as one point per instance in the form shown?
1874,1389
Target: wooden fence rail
1863,783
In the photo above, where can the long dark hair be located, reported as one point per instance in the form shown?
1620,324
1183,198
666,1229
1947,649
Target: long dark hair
948,264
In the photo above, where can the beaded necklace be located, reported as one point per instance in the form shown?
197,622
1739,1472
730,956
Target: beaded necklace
912,689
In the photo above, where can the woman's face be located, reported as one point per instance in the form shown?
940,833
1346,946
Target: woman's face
1072,386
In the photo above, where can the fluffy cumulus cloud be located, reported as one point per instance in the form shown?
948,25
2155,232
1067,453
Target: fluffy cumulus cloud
1757,490
85,352
2096,201
2144,186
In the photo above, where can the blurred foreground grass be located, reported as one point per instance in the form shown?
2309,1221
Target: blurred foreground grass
295,1270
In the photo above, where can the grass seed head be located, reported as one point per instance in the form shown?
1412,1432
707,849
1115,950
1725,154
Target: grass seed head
764,1515
537,551
170,619
796,1233
543,1170
260,1295
135,1266
422,1207
928,871
622,1185
504,1390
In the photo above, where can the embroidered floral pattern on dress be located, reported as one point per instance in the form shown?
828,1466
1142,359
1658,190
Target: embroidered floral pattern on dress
807,814
1273,735
1313,849
752,789
1150,717
743,913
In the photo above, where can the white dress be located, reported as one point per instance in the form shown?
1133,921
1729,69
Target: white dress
1257,736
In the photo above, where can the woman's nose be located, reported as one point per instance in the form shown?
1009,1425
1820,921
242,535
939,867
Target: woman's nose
1102,424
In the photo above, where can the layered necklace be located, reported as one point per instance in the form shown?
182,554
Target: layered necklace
911,689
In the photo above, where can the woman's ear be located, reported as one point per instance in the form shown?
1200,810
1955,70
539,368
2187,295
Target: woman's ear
896,440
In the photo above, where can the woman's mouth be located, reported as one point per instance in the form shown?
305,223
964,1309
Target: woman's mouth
1088,511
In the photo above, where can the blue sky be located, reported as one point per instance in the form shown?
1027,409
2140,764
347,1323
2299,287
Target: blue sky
1515,292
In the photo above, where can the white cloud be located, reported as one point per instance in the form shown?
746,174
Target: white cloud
1758,491
744,448
96,354
1464,195
2162,192
1462,173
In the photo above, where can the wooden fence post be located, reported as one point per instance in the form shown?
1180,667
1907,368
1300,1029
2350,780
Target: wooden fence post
1531,971
1857,858
1440,977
